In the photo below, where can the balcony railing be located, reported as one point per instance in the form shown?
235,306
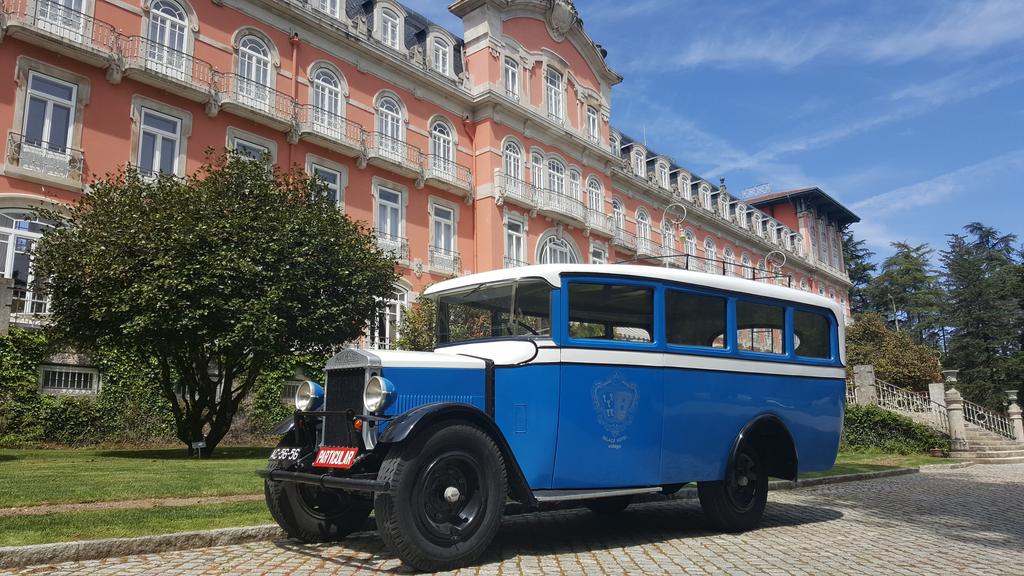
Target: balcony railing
55,18
144,54
519,191
647,247
515,263
444,261
49,159
330,125
449,171
379,145
600,222
256,96
397,246
551,201
623,239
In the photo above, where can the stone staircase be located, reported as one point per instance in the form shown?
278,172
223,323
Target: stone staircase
984,447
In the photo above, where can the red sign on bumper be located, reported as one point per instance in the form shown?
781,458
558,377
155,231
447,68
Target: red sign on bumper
335,457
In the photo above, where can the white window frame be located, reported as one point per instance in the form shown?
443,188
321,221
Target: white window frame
618,214
643,229
639,163
329,7
390,21
575,184
50,101
729,257
441,55
510,75
554,95
391,313
395,212
515,240
537,169
598,253
160,136
595,194
556,176
68,371
663,177
164,32
446,226
710,251
338,188
551,245
593,125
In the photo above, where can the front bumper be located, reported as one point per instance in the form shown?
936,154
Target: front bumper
326,481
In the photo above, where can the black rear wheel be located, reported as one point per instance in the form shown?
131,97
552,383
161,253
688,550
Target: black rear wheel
737,503
446,497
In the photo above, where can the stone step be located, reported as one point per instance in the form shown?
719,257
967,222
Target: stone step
996,445
998,454
1015,460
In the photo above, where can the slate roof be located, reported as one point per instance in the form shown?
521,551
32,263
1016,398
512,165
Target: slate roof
416,28
816,196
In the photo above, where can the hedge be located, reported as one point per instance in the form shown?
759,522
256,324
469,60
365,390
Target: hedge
874,428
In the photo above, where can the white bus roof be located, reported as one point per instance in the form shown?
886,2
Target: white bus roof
552,274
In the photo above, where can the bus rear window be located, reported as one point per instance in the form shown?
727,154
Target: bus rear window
812,335
611,312
695,319
760,327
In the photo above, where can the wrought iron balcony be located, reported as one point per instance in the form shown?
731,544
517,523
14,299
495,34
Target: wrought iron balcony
449,172
330,126
647,247
515,190
394,151
163,66
253,96
444,261
57,24
50,160
514,263
397,246
600,222
623,239
559,204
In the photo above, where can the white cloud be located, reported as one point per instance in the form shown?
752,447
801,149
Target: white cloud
783,50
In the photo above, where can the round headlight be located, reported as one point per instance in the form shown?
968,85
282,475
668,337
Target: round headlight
309,396
378,394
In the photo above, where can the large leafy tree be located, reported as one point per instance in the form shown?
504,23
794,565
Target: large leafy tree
216,276
984,282
908,292
896,357
860,269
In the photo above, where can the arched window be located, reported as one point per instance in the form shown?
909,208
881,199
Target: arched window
613,144
556,176
705,197
690,248
803,285
595,195
442,150
537,170
663,179
668,238
709,256
442,56
512,159
730,261
575,183
643,230
741,215
254,72
618,214
748,268
640,163
390,127
555,250
166,39
19,232
328,105
762,271
384,330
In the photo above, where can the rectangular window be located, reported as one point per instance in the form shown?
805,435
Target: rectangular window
511,78
68,379
812,335
593,131
515,239
495,311
444,228
389,213
251,150
598,255
389,32
331,180
329,7
611,312
554,94
760,327
159,137
49,113
695,319
442,56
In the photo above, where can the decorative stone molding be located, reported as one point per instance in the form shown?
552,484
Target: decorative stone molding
562,17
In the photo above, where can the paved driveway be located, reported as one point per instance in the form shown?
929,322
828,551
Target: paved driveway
968,521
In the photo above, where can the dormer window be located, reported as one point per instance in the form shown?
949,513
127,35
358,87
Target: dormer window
593,130
442,56
614,145
329,7
511,78
705,197
640,163
554,90
663,179
390,26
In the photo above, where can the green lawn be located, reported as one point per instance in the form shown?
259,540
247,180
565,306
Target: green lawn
854,462
59,476
98,524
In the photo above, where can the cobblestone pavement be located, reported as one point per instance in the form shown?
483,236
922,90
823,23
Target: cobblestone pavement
968,521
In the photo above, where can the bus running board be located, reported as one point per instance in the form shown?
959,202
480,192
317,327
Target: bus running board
591,493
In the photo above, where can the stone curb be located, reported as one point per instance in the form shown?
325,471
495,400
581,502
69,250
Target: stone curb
18,556
956,466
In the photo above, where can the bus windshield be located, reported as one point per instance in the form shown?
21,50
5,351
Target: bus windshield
488,311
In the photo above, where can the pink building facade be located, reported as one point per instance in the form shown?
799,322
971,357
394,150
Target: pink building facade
464,154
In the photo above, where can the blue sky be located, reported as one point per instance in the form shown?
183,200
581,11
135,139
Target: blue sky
910,112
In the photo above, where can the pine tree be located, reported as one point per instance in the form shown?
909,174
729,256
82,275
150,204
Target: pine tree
860,269
908,292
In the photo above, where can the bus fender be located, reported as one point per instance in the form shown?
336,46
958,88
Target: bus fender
773,441
420,418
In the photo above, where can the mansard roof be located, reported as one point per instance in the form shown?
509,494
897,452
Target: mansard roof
417,26
812,195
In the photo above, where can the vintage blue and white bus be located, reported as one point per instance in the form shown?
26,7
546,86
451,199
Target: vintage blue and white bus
553,383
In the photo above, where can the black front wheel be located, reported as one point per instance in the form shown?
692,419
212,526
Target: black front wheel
312,514
737,503
446,497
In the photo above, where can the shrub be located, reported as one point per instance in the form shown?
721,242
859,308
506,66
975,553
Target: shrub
896,358
874,428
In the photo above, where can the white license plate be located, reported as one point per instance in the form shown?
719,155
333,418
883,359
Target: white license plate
286,454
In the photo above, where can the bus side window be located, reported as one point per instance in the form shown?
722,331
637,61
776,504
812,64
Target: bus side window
611,312
760,327
812,335
695,319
